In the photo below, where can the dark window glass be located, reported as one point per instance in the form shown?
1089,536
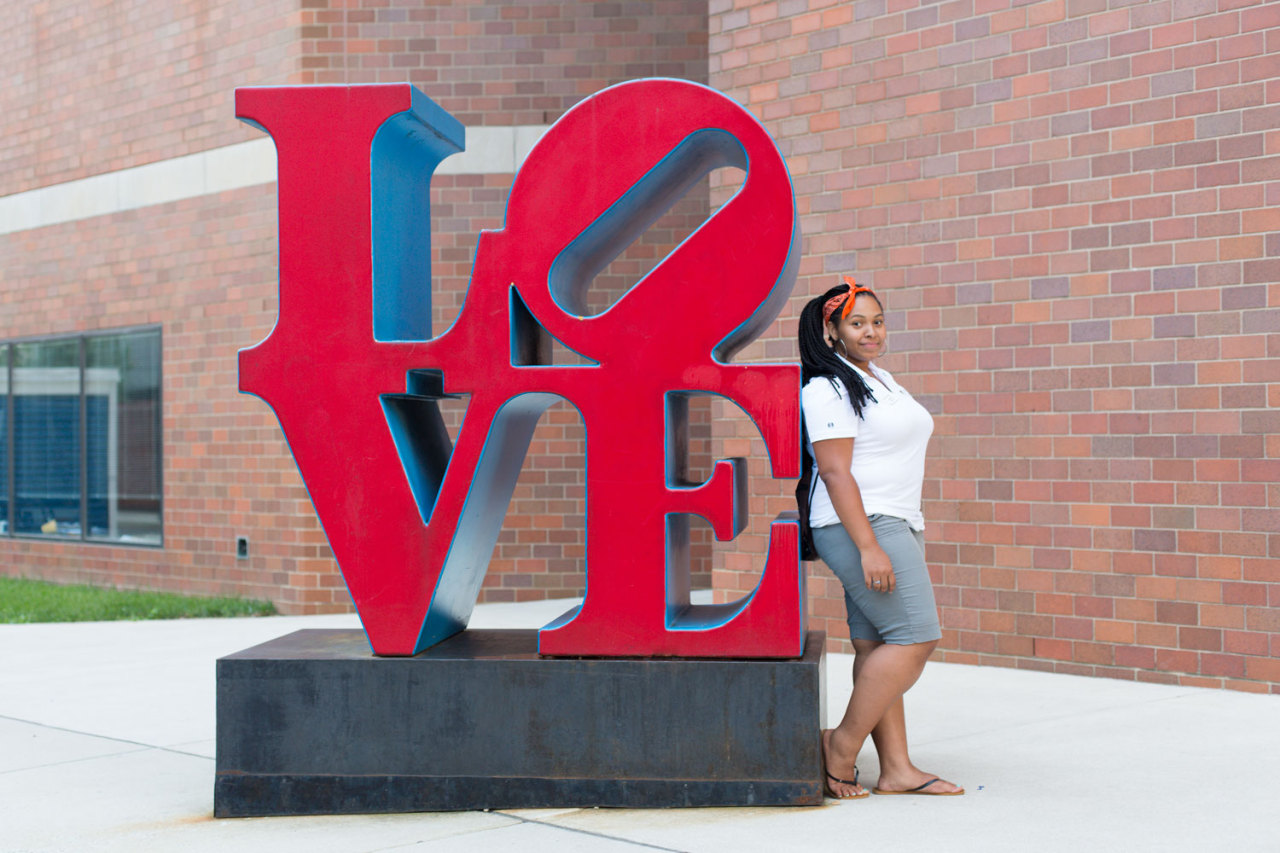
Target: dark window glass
122,437
46,438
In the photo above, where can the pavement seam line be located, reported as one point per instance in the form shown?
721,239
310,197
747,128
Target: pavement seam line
146,746
469,832
103,737
643,844
70,761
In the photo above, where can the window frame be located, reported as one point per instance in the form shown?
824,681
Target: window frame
82,339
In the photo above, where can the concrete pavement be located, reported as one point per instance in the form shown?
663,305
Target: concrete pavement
107,744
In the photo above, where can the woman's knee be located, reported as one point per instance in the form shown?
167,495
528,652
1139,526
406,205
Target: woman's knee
865,647
926,649
922,651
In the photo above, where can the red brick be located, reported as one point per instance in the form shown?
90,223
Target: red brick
1136,656
1229,666
1177,661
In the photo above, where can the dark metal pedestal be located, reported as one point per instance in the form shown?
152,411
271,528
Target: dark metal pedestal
313,723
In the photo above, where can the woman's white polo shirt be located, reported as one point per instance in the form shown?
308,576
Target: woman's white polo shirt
889,445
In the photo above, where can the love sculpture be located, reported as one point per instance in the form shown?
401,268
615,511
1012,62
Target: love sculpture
353,371
636,698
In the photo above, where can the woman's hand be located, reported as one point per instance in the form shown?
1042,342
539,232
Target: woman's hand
877,571
834,457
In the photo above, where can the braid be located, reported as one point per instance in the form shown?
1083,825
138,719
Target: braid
818,359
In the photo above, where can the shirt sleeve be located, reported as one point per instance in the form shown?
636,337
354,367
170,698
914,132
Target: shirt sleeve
827,413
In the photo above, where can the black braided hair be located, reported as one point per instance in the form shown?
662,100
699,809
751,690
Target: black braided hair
818,359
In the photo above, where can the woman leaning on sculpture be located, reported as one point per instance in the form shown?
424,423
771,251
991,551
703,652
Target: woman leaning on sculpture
866,439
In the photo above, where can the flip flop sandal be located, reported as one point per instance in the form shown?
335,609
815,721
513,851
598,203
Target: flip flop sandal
826,787
831,793
920,789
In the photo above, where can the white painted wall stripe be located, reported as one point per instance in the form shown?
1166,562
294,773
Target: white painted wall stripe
490,151
232,167
493,150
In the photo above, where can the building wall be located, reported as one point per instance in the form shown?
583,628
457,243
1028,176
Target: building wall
205,270
99,89
1068,206
1072,211
95,87
505,62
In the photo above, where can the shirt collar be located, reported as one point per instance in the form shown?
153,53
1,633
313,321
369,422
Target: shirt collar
874,370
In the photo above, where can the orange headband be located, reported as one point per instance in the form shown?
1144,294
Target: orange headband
834,302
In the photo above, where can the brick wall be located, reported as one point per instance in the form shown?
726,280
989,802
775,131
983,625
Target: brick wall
93,87
504,62
1072,211
102,88
205,269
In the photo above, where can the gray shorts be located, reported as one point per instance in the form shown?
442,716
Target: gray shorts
906,615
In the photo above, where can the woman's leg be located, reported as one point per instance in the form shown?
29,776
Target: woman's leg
883,671
883,675
889,735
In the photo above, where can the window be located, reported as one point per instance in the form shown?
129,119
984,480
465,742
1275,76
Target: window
80,438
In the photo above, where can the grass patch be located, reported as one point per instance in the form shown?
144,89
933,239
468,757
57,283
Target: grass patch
37,601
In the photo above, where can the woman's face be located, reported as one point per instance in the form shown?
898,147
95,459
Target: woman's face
859,337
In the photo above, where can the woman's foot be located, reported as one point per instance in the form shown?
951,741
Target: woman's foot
916,781
833,783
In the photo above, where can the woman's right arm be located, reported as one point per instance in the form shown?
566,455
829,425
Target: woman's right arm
834,458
